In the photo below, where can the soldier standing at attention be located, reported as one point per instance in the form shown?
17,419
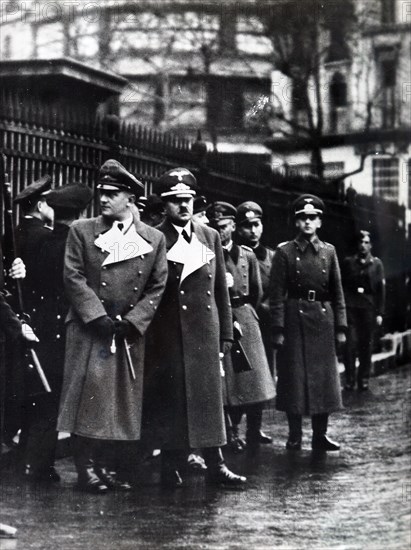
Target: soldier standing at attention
249,232
364,287
67,202
308,316
248,381
115,271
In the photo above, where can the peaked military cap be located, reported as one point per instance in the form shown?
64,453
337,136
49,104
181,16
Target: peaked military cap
114,176
73,196
248,211
220,210
308,204
200,204
34,191
178,182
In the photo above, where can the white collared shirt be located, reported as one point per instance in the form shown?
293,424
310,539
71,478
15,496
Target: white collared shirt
180,229
127,223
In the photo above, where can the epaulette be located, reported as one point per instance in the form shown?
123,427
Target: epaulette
246,247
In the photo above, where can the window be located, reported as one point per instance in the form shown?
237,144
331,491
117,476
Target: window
338,48
387,62
225,104
385,178
338,99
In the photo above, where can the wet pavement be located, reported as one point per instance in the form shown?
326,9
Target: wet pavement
359,498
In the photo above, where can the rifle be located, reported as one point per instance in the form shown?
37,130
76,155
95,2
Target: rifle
10,233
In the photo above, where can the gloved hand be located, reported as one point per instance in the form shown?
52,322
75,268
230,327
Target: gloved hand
340,340
277,340
18,269
102,327
122,328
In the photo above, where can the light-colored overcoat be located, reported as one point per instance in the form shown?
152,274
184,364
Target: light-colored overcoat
99,398
255,385
308,379
183,397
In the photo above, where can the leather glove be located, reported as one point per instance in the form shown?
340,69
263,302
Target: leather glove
28,334
102,327
277,340
226,346
340,340
122,328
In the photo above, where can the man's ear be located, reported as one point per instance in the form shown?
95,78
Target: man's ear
131,199
320,223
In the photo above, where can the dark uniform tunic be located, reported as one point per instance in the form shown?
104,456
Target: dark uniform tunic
307,305
183,392
52,308
255,385
364,287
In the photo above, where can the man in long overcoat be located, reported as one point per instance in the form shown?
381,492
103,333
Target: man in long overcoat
308,315
115,273
249,230
248,386
364,287
192,324
67,202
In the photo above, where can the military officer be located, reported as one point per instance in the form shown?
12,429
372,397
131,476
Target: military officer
199,210
249,231
33,228
153,213
115,270
67,202
248,386
364,287
192,324
308,315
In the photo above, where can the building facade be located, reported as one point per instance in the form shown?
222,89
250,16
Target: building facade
190,65
365,85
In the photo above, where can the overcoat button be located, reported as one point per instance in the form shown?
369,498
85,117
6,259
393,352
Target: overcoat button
298,271
131,306
208,307
104,267
135,289
184,307
58,316
151,302
208,292
210,276
58,336
102,301
298,259
103,284
324,271
182,292
140,272
142,256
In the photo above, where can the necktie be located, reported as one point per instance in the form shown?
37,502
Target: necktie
185,235
120,226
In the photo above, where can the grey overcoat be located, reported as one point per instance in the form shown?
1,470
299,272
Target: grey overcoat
99,397
308,379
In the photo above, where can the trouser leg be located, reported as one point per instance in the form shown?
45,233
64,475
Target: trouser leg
84,453
172,463
217,471
254,414
350,349
365,342
233,419
320,441
295,423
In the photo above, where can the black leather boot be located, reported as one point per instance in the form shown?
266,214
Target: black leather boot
320,441
234,441
295,432
171,463
217,471
107,475
88,480
255,436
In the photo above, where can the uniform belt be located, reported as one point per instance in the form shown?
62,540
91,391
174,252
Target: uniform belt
237,301
309,295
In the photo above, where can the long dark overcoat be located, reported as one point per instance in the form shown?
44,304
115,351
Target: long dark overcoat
308,379
183,401
255,385
99,397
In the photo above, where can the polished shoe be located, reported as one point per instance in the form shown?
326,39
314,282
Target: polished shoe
254,439
324,443
196,462
171,479
110,480
293,444
221,475
89,482
47,474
